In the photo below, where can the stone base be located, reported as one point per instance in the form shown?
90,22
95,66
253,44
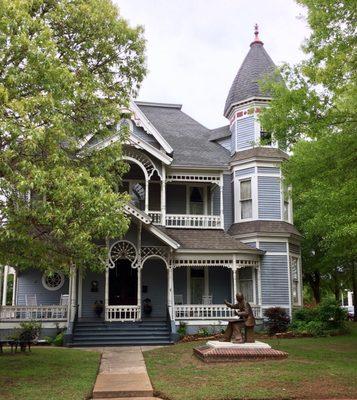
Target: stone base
215,351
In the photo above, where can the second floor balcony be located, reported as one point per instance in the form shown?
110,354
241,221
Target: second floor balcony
177,201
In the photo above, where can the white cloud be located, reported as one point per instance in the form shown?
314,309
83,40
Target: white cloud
195,47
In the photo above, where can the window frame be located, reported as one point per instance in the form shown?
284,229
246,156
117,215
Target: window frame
245,200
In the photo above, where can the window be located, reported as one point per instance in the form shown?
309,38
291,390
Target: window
295,279
246,199
197,285
286,202
196,200
53,280
265,138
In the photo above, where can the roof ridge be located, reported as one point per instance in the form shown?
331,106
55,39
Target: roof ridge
155,104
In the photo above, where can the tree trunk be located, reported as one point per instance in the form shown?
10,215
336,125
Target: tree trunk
314,280
354,288
336,287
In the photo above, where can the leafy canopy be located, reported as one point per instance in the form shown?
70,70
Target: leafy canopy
315,114
67,71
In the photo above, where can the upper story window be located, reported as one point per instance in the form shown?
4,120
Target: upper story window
286,202
196,200
246,198
295,284
265,138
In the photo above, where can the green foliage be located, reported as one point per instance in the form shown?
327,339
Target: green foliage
28,331
278,320
67,71
203,332
58,340
326,318
314,113
182,329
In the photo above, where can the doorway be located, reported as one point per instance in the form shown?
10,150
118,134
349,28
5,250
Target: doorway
123,284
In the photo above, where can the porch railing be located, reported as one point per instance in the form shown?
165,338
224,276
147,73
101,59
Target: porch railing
193,221
211,311
122,313
37,313
156,217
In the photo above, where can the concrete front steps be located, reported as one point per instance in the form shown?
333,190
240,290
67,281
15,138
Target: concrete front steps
100,333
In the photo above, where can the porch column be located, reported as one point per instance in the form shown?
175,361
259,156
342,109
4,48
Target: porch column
139,291
4,291
106,290
221,201
170,292
73,294
147,195
1,277
163,196
14,283
234,278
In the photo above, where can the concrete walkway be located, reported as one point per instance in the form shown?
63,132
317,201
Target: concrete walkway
123,375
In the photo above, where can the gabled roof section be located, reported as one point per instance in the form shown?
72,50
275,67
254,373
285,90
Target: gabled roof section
189,139
256,65
140,119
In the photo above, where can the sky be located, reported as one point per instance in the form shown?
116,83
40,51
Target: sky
195,47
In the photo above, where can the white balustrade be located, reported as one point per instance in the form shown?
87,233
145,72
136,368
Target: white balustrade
122,313
36,313
205,312
193,221
156,217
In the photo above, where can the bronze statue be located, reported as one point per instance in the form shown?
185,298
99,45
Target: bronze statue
246,320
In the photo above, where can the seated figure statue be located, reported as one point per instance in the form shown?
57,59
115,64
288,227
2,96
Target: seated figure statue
246,321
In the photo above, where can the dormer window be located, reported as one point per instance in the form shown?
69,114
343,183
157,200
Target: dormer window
246,198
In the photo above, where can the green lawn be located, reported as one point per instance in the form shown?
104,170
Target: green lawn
48,374
315,369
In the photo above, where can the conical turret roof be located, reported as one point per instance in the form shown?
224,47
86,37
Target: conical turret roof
256,65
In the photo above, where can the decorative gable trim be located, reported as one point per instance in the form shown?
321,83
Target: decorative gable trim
140,215
142,121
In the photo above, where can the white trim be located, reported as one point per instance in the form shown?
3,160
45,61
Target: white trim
149,127
44,324
53,289
161,235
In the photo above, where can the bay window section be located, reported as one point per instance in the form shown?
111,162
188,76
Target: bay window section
286,202
295,283
245,198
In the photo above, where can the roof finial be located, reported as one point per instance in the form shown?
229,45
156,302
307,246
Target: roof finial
256,34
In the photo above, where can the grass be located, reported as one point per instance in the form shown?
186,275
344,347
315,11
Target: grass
48,374
317,368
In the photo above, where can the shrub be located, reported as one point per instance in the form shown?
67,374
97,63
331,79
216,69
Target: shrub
278,320
58,340
203,332
326,318
29,331
182,330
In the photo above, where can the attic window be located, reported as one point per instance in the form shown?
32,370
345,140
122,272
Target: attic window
53,280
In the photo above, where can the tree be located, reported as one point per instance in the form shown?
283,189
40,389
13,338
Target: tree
314,114
67,71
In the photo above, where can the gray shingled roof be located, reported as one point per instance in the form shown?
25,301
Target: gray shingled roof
188,138
263,226
259,152
206,239
220,133
256,65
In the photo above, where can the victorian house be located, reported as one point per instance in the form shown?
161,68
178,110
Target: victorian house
210,216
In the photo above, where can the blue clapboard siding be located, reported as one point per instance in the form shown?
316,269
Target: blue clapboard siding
269,170
180,282
219,284
176,199
215,200
88,297
274,280
30,283
245,171
227,201
245,133
275,247
226,143
294,248
154,276
269,197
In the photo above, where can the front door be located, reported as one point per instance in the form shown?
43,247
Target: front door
123,284
197,285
